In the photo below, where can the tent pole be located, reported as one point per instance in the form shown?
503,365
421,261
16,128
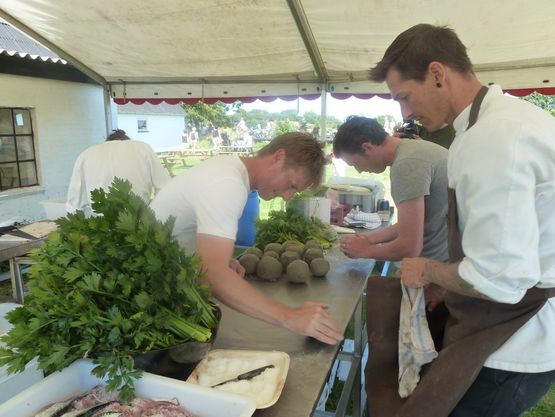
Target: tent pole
108,111
323,114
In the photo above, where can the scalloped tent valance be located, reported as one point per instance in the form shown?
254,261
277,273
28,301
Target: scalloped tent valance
186,50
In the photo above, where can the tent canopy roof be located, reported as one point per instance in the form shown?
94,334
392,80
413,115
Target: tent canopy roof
187,49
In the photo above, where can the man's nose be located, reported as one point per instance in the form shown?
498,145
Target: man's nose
288,194
406,111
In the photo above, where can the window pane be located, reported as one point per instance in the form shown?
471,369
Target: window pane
28,173
7,149
8,176
25,148
6,125
22,122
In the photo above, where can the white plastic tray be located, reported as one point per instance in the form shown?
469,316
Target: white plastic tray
13,384
222,364
77,379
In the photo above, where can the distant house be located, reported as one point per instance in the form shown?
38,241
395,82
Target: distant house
159,125
49,113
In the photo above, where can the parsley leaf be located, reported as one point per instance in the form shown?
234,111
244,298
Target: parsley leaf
109,287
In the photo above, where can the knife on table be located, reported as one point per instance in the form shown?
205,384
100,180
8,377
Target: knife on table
245,376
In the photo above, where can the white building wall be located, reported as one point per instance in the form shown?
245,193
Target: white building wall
164,131
68,117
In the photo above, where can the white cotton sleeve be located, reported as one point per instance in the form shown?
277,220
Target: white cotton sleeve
219,208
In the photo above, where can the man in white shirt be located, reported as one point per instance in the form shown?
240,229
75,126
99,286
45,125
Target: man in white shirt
499,358
207,201
97,166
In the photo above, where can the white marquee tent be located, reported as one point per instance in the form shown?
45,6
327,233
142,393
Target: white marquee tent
176,50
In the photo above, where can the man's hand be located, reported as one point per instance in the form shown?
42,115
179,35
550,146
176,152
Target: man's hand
418,272
411,272
312,319
355,246
236,267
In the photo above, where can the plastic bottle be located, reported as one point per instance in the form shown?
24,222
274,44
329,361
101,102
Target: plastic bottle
246,231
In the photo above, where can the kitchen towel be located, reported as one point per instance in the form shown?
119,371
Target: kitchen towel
416,346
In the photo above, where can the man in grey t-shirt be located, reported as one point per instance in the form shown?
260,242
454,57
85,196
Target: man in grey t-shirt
418,177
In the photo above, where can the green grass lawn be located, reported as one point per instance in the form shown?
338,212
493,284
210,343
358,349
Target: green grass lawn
545,408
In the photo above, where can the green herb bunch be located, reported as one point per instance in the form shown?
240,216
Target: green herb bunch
108,287
290,224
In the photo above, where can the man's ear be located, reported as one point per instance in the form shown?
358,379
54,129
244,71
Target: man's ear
437,70
279,155
367,148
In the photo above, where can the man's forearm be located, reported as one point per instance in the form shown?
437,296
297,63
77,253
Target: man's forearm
238,294
386,234
446,275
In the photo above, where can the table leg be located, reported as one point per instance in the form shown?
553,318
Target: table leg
17,281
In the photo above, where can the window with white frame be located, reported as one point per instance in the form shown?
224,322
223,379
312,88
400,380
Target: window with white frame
18,163
141,125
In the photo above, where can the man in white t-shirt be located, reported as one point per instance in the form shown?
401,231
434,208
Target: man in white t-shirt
97,166
207,202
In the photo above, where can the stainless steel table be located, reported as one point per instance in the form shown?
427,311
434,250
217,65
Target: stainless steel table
12,251
311,360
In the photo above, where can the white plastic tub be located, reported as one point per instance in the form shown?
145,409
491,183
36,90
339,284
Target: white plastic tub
77,379
10,385
319,207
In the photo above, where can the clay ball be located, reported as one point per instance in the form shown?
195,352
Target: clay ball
254,250
312,253
269,269
287,257
272,254
319,267
298,272
249,262
275,247
298,248
313,244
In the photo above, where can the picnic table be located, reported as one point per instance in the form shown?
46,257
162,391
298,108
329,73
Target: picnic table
182,156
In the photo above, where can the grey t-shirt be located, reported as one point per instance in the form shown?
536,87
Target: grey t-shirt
420,169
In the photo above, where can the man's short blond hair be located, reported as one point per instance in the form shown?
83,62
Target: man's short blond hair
301,151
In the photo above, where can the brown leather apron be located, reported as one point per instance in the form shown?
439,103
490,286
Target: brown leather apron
475,329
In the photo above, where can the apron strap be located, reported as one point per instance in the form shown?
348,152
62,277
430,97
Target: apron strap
475,108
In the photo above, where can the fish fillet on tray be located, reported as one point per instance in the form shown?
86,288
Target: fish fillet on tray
224,365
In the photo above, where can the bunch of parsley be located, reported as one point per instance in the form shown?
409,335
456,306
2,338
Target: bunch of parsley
290,224
107,288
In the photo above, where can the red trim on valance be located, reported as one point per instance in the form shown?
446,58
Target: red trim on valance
362,96
522,92
519,92
212,100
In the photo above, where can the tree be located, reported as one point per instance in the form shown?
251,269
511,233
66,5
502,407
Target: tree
387,121
256,117
283,126
201,114
312,118
544,102
290,115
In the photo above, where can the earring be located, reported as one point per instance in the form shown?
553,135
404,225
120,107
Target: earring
438,85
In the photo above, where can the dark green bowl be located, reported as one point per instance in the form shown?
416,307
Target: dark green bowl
180,360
